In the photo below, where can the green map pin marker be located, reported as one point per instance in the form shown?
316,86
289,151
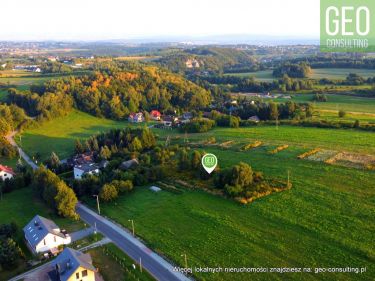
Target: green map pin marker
209,162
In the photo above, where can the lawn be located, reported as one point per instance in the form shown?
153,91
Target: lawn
59,135
325,220
9,162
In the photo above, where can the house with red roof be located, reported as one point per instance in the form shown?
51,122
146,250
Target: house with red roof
155,115
6,172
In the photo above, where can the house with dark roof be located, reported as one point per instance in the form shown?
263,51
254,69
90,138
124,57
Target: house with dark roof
6,172
73,265
254,119
43,235
129,164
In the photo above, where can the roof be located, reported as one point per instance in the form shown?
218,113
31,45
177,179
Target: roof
88,167
7,169
128,164
155,112
254,118
70,260
38,228
155,188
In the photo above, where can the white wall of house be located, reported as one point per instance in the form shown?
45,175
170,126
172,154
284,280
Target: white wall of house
5,175
78,173
51,241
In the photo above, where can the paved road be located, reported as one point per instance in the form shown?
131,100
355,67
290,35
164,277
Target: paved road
153,263
10,138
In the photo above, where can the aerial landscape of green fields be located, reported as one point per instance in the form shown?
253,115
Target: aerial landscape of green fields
128,154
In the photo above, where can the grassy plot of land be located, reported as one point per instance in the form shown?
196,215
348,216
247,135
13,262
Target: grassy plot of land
9,162
325,220
317,73
20,206
339,73
60,134
114,265
264,75
341,102
344,139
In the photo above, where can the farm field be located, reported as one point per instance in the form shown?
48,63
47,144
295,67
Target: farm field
352,140
317,73
60,134
340,73
341,102
323,221
264,75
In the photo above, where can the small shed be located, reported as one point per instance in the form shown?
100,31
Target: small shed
155,188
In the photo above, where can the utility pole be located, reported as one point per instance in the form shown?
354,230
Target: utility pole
140,264
277,123
132,226
184,255
97,203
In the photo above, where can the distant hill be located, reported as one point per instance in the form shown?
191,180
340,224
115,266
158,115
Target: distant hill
210,59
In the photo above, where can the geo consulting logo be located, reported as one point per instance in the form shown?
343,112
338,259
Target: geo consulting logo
347,25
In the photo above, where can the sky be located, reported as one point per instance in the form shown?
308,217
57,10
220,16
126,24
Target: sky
125,19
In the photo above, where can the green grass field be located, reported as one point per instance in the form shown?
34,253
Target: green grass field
325,220
340,73
264,75
341,102
351,140
317,73
60,134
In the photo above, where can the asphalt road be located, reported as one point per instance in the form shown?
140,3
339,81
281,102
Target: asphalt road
153,263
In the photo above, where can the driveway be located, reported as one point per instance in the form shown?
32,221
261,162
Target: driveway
78,235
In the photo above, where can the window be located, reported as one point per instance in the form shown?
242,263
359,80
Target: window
84,273
77,275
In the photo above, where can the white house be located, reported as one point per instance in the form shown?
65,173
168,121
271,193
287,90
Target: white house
44,235
85,169
136,117
6,172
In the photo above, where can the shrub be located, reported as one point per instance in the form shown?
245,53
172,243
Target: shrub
342,113
108,193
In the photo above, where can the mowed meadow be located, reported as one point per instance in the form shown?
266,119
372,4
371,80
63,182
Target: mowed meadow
325,220
317,73
60,134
